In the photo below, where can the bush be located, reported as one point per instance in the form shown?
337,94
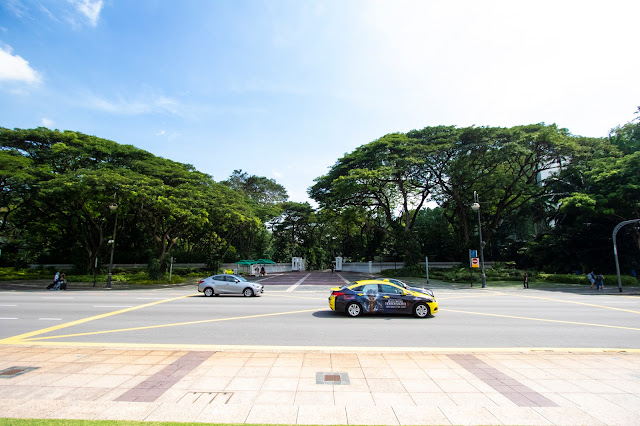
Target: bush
154,270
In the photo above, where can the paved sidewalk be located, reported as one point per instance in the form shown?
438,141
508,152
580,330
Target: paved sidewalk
442,387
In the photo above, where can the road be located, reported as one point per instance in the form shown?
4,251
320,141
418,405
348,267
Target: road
294,313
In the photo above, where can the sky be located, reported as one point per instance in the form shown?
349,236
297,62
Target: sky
284,88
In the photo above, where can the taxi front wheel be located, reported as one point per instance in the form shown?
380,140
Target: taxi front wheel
354,310
421,310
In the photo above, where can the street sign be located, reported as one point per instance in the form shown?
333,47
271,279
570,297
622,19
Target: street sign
475,262
473,253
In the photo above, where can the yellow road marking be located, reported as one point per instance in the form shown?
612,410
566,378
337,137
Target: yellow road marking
166,325
543,320
323,349
84,320
569,301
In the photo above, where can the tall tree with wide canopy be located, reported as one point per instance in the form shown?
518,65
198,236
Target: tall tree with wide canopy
79,175
387,177
504,166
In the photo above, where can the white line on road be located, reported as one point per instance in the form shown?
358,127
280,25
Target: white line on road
112,306
293,287
8,305
8,318
346,281
150,298
57,298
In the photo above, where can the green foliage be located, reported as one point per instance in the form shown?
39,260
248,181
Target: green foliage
55,189
154,270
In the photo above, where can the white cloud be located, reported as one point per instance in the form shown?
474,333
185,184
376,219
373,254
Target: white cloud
46,122
161,133
16,68
90,9
150,104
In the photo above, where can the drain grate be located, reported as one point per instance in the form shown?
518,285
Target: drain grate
216,398
332,379
10,372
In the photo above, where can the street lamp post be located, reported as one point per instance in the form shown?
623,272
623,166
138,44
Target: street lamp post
113,206
476,206
615,247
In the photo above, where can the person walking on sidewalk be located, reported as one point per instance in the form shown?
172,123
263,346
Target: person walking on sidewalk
592,279
599,282
525,280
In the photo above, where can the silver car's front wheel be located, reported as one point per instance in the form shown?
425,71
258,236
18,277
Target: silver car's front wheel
208,292
247,292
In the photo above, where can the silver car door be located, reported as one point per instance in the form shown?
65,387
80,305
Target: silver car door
235,287
220,283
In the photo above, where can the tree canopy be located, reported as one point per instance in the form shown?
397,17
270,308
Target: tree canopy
548,200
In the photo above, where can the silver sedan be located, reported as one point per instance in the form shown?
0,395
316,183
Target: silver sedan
216,285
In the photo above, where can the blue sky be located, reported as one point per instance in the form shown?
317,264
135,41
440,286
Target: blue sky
284,88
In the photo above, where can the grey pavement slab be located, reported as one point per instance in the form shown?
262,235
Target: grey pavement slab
271,386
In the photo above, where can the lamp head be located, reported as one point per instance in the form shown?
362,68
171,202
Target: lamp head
475,207
113,206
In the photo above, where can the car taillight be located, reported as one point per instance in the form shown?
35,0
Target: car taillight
200,282
338,293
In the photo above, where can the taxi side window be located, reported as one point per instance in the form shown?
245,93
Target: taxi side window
370,288
219,278
389,289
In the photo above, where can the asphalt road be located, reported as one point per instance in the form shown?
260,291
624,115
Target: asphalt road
294,314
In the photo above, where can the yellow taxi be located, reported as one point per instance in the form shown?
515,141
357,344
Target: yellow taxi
376,296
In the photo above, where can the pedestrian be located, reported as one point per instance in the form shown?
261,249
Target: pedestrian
262,271
592,279
599,282
63,282
332,267
56,281
525,280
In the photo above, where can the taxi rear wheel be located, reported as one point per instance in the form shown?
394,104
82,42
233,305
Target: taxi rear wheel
421,310
354,310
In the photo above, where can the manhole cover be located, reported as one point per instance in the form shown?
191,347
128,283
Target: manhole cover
332,379
10,372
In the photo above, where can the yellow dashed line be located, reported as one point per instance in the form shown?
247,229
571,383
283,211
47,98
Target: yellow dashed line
14,339
541,319
167,325
570,301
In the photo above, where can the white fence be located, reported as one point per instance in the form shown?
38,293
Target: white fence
270,268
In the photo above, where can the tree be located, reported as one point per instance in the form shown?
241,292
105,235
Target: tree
502,165
387,177
62,183
266,194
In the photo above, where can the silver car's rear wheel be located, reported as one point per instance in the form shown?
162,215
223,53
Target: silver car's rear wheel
421,310
247,292
208,292
354,310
